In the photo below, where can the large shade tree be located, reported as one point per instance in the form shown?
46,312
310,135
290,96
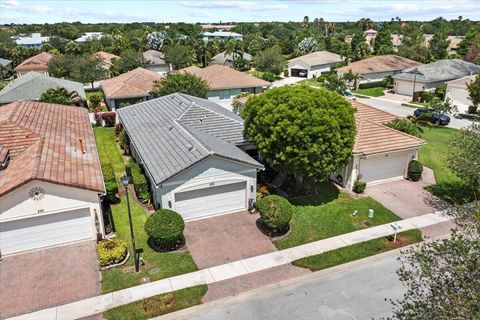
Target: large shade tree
182,82
303,131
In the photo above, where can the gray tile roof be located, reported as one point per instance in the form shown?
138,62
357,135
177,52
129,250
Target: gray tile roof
222,57
442,70
169,136
31,86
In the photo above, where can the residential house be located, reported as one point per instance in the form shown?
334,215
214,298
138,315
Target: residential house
33,40
222,35
107,59
129,88
218,27
50,177
227,59
313,64
191,152
225,83
32,85
38,63
155,61
5,67
380,154
375,69
432,75
370,36
454,42
458,93
89,36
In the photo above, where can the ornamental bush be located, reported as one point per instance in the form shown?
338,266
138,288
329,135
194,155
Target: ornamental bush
415,170
109,118
138,179
111,252
111,188
165,227
275,212
359,186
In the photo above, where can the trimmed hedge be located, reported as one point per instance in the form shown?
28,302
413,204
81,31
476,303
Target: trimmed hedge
415,169
368,85
112,189
359,186
165,227
138,178
275,211
111,252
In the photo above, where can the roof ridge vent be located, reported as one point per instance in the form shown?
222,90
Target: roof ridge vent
190,147
170,128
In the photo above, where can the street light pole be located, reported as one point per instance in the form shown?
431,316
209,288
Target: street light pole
125,181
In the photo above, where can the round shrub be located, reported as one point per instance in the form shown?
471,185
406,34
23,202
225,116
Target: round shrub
165,227
275,211
111,252
415,170
359,186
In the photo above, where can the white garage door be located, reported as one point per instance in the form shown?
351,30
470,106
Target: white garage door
210,201
44,231
375,169
405,88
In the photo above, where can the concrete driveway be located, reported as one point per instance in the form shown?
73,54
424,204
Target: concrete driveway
46,278
228,238
410,199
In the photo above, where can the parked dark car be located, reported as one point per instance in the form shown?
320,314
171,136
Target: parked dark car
432,116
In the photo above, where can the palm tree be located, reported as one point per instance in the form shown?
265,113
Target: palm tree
205,50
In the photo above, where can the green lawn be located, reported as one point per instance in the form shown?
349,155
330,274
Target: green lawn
96,92
358,251
310,82
434,155
329,214
157,305
158,265
372,92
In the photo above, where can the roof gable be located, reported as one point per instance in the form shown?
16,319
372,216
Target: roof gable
138,82
318,58
383,63
38,62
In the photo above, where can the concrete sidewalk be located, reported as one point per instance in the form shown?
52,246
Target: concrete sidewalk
95,305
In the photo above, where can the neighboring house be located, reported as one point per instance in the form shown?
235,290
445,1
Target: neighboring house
107,59
51,179
370,36
227,59
397,41
225,83
457,92
219,27
129,88
155,61
376,68
190,150
34,40
222,35
313,64
380,154
38,63
5,66
454,42
32,85
89,36
432,75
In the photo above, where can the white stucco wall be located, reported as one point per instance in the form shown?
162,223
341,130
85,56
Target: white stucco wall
18,205
212,171
458,96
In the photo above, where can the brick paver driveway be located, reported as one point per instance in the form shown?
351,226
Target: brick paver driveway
409,199
46,278
229,238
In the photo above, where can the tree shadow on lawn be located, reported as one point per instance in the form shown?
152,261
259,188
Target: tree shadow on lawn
456,193
327,192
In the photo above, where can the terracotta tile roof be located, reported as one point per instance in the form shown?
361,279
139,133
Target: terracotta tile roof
318,58
135,83
383,63
45,141
35,63
106,57
373,136
222,77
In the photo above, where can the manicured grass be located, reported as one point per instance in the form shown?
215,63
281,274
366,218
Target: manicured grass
108,149
372,92
158,305
96,92
158,265
358,251
433,154
310,82
329,214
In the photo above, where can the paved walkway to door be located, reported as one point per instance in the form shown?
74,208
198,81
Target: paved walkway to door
232,237
46,278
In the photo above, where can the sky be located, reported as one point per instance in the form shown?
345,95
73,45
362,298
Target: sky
95,11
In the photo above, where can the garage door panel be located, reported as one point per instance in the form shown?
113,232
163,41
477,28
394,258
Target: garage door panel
382,168
43,231
210,201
